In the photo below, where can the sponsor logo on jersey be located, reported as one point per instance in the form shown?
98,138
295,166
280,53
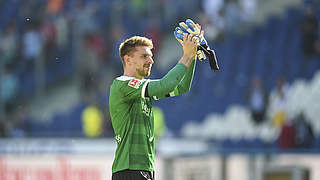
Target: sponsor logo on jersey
134,83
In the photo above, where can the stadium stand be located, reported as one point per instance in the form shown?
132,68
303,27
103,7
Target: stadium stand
218,100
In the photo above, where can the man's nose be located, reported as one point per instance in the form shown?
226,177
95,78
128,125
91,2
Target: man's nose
150,60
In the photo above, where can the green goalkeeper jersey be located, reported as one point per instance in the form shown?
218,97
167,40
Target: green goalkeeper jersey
132,121
132,116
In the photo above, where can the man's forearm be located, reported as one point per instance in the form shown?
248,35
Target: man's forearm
187,60
169,82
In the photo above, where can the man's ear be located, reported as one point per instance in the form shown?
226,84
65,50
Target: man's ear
126,59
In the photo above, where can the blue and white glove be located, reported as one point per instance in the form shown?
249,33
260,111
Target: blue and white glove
204,50
190,27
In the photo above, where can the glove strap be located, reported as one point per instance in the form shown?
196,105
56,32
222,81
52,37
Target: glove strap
212,57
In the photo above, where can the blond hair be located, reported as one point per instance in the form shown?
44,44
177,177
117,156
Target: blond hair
129,45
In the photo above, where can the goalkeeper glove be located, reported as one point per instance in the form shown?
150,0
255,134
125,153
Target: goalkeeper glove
190,27
178,33
204,50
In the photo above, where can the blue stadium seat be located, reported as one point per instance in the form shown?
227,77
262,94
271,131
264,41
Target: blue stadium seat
38,129
27,83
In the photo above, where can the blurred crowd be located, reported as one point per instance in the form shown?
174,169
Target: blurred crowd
41,34
310,33
39,39
295,131
37,35
272,107
224,16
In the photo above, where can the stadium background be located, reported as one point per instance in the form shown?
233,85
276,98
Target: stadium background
58,58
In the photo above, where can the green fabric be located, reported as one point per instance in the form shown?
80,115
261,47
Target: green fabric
133,124
132,117
185,85
168,83
166,87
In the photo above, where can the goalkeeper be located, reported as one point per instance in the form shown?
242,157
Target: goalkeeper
130,103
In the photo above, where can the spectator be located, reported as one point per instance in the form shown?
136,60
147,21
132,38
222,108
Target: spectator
54,6
62,31
89,68
48,34
32,46
304,132
153,32
212,33
3,128
117,36
9,87
287,135
3,132
92,119
83,18
278,103
248,9
84,25
215,12
232,15
97,62
309,33
258,101
9,44
20,124
95,43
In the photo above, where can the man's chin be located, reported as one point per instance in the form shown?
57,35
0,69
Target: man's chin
147,74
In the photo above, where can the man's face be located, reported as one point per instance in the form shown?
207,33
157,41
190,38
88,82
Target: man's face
142,61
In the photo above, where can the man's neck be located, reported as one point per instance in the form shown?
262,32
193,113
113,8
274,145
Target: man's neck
132,75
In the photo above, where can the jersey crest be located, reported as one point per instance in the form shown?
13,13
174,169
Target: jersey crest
134,83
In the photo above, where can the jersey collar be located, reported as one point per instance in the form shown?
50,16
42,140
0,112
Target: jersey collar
126,78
